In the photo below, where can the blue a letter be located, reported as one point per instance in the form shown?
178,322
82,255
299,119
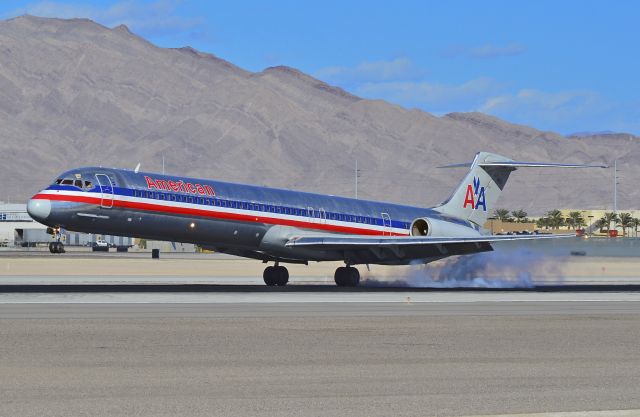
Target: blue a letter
481,201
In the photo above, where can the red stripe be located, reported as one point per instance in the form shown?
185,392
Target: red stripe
213,214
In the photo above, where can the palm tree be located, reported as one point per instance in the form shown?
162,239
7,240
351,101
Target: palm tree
610,217
575,220
520,215
555,218
502,215
635,222
600,224
542,222
626,220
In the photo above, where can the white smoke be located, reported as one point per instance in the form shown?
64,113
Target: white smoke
516,268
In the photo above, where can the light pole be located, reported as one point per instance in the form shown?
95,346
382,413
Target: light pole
357,175
590,225
615,186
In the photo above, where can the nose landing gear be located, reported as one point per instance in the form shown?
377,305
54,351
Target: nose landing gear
347,276
56,247
276,275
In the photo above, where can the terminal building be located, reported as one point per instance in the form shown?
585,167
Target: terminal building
17,229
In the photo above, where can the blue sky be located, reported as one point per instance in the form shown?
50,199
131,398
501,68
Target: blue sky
565,66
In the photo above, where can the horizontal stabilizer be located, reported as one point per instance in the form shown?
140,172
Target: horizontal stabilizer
519,164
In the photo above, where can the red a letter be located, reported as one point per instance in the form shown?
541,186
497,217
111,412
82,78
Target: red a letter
468,199
150,182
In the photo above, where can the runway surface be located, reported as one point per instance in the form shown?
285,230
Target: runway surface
196,336
457,354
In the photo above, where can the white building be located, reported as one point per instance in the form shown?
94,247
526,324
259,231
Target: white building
14,220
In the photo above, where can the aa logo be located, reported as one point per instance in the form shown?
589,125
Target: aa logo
475,196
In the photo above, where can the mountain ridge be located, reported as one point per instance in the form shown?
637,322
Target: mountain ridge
78,93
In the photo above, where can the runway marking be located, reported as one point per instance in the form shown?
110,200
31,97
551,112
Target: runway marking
607,413
310,297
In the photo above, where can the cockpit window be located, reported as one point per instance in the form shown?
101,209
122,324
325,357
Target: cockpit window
78,183
58,181
88,185
67,182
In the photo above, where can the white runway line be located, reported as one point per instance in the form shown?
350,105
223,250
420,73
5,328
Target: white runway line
608,413
245,280
310,297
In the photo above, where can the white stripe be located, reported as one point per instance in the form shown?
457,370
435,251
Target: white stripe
218,209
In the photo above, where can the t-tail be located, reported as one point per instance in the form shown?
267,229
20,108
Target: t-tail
475,198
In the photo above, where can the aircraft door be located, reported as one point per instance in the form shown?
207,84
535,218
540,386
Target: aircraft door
386,222
322,216
106,190
311,214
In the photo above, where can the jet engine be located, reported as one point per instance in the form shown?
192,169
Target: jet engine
440,228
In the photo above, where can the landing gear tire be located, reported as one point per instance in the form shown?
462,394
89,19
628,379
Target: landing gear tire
347,276
56,247
276,275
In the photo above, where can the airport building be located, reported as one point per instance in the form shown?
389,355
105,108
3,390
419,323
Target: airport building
17,229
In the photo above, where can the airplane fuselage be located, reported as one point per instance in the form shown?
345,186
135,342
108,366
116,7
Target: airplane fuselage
245,220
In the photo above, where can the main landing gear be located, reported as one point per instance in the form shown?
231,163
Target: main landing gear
276,275
56,247
347,276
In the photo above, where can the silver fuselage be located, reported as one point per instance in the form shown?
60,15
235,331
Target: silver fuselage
245,220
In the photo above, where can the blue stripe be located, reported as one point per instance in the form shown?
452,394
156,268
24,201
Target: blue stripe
239,204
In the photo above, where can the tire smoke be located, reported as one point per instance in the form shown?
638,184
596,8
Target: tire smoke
516,268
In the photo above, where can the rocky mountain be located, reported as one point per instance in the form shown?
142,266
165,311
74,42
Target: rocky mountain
74,93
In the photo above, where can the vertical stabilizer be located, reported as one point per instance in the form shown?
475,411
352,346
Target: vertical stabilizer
475,198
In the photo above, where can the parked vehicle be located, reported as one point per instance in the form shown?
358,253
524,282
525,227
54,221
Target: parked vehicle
100,246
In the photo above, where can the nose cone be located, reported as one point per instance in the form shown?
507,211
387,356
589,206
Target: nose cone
39,210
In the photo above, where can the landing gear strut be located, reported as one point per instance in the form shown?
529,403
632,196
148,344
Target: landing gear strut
56,247
347,276
276,275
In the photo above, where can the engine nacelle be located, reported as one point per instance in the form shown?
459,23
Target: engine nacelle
440,228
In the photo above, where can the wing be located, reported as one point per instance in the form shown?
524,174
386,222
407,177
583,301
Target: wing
402,250
337,242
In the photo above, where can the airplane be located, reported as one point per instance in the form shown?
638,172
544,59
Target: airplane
277,225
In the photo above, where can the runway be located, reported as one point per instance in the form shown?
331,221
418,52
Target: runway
137,337
480,356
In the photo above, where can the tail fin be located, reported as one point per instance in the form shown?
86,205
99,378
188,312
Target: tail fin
478,192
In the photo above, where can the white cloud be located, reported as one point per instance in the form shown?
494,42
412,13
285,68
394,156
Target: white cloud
487,51
548,108
435,98
372,71
154,18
